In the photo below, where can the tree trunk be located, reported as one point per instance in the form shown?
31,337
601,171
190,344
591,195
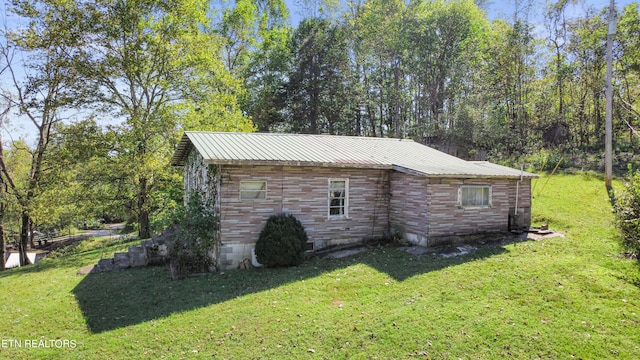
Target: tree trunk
31,234
598,133
24,239
144,231
395,115
3,248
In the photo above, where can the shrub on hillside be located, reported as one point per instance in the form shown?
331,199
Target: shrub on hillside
627,211
282,242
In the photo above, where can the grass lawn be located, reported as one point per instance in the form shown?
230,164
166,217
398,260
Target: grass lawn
557,298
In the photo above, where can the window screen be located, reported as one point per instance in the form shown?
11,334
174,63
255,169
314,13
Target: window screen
253,190
479,196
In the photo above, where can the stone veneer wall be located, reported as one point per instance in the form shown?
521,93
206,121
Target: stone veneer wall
204,179
433,217
201,178
447,218
524,201
409,213
379,201
302,192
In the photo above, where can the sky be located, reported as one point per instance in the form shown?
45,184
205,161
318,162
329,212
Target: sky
500,9
495,9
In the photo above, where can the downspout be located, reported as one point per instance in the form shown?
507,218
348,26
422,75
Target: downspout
387,198
515,216
517,193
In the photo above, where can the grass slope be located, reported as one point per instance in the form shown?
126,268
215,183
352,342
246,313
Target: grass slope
556,298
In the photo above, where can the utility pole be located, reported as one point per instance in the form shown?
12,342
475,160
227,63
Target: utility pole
608,141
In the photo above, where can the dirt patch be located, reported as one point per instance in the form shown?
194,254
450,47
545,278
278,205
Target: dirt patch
86,269
539,234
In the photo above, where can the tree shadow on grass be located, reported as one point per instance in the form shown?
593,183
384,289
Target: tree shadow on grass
69,258
118,299
633,276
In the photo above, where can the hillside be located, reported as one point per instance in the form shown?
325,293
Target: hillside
556,298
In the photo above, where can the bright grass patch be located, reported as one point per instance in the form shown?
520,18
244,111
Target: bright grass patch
554,298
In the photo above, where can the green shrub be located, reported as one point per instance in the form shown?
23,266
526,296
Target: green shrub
196,239
627,211
282,242
547,160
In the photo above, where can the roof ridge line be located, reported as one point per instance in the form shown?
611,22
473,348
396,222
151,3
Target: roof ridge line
234,133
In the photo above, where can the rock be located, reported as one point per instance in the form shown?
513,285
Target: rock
137,257
121,260
156,251
104,265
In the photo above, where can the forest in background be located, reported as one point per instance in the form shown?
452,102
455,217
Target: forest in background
109,87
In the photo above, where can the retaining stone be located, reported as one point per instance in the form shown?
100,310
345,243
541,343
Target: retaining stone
121,260
137,257
104,265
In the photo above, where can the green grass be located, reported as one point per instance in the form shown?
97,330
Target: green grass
556,298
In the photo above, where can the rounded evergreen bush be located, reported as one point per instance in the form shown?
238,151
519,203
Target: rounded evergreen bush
282,242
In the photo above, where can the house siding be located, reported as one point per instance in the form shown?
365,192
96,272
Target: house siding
523,190
425,211
409,214
302,192
450,219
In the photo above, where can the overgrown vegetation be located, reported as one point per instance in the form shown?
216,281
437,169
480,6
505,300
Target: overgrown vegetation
196,239
627,211
282,242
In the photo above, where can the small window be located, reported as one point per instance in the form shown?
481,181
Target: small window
338,198
474,196
253,190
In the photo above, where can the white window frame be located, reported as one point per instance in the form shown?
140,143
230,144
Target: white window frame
330,197
262,191
475,205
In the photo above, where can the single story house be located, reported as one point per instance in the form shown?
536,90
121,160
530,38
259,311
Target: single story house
345,189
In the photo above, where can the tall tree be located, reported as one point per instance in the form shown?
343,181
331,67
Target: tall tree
556,21
381,26
443,46
510,75
318,99
86,183
256,36
587,48
3,211
151,63
42,95
629,68
3,201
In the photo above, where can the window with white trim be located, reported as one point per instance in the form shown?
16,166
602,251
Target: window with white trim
338,198
253,190
474,196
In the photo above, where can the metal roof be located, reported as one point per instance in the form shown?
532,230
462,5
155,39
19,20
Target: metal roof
333,151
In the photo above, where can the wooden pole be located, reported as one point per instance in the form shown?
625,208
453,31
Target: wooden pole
608,146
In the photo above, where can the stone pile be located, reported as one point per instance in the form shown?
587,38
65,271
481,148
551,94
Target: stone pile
149,252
